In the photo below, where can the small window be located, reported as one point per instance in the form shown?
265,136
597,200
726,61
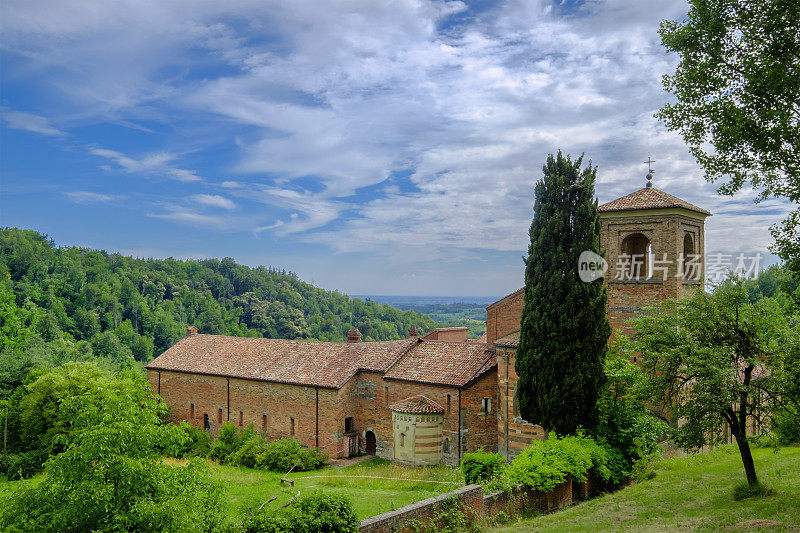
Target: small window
191,411
264,421
348,424
219,415
446,445
386,396
486,406
448,403
241,418
291,428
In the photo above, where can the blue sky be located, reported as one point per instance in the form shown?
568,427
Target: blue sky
371,147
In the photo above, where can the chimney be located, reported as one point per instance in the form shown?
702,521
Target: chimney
191,330
353,335
412,333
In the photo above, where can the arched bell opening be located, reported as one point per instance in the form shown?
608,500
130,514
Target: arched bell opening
638,252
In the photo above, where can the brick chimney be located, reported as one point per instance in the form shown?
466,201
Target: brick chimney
191,330
412,333
353,335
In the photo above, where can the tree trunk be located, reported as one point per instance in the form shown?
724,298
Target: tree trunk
747,457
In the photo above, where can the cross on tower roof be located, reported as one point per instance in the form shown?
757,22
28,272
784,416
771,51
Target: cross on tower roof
650,170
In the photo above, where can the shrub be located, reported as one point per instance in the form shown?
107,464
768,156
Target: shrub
228,441
545,464
283,454
786,426
248,452
626,430
481,466
312,513
22,465
197,444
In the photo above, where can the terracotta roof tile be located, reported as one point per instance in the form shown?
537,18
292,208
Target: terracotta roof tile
443,363
509,341
648,198
417,405
300,362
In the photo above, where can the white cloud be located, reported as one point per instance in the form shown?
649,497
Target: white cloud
156,163
324,101
214,200
89,197
28,122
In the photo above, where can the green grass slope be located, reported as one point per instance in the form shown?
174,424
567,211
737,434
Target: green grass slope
689,494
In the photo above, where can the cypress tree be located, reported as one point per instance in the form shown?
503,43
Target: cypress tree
564,328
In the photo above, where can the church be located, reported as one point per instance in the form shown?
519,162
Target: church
425,399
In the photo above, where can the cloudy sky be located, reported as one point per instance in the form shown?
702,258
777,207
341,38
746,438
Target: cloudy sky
371,147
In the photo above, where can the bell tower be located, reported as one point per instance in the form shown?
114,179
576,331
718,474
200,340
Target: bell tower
655,248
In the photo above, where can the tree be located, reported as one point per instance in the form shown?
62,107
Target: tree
564,328
717,359
738,91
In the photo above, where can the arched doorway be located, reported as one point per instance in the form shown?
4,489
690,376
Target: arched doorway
371,444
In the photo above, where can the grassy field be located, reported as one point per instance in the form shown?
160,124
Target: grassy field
690,493
246,488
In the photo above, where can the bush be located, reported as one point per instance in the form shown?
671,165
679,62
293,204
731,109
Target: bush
626,430
481,466
22,465
284,454
248,452
786,426
545,464
228,441
312,513
198,442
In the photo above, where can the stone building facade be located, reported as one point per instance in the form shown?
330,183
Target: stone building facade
429,399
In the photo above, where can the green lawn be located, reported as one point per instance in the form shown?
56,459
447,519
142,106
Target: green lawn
246,488
690,493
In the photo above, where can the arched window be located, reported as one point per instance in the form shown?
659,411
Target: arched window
637,256
689,268
446,445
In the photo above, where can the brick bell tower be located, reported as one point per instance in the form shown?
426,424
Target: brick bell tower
655,247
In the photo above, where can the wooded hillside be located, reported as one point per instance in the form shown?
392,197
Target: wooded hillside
121,304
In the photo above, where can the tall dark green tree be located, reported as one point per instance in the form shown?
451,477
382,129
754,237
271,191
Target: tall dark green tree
564,328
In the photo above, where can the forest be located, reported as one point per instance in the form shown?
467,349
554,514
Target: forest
82,292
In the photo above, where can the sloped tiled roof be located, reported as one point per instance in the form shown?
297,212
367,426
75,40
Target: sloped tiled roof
648,198
509,341
443,363
417,405
299,362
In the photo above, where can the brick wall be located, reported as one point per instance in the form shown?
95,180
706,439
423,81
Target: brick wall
317,415
666,232
503,317
278,409
513,433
